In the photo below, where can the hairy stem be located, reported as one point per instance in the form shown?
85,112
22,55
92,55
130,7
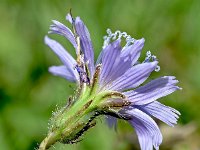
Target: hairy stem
48,141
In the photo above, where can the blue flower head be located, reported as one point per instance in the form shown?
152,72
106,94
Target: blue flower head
112,86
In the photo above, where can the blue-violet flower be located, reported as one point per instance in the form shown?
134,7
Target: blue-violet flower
111,87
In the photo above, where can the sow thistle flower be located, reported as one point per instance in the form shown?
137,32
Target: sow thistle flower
110,87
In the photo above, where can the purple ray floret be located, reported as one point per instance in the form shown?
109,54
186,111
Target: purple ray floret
117,70
59,28
85,42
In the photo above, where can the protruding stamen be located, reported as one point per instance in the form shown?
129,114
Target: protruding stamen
150,57
157,69
117,34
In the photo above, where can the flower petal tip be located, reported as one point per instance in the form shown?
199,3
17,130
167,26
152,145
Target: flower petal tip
142,40
46,39
69,18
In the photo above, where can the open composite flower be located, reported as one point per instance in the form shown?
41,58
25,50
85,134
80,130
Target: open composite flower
113,86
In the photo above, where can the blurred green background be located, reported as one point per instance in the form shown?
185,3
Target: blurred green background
29,94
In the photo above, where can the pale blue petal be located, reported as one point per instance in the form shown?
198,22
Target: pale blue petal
153,90
128,56
166,114
133,51
86,44
69,18
61,29
148,133
111,121
64,56
133,77
99,59
127,59
120,67
63,72
109,60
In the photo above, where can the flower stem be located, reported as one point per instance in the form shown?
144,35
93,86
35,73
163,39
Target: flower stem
48,141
